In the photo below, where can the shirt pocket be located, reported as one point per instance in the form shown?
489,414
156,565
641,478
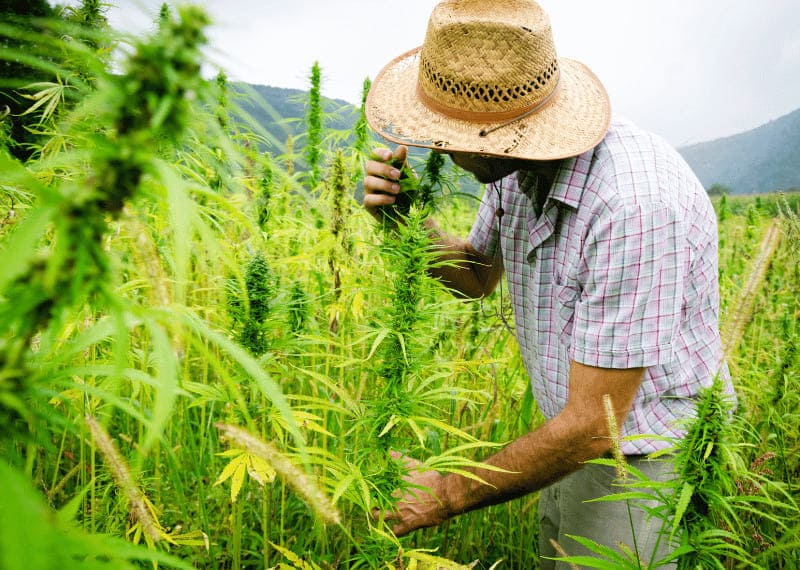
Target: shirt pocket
566,296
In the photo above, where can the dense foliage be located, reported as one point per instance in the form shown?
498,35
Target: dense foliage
208,351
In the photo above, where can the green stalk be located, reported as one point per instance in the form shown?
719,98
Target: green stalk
266,526
338,228
361,128
222,100
266,189
361,136
236,531
314,118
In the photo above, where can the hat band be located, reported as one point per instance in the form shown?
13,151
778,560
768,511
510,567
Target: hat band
484,116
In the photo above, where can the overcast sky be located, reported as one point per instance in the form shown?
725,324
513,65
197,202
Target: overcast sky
691,70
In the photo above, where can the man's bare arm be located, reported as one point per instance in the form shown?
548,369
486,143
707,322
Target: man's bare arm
464,270
534,460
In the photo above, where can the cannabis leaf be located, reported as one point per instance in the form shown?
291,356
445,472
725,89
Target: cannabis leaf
243,462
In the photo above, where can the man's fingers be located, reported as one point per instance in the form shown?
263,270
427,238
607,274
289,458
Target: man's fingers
387,515
386,155
382,171
375,201
382,154
400,155
373,184
401,529
382,178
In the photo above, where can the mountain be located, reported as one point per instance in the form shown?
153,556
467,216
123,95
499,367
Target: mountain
764,159
280,111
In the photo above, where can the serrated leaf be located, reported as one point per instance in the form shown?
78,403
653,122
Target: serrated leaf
237,480
343,484
445,427
260,470
365,496
299,563
233,452
588,562
389,425
436,562
467,474
683,502
708,450
382,334
626,496
191,538
231,468
611,555
417,431
402,340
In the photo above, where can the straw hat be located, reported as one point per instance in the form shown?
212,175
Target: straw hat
487,80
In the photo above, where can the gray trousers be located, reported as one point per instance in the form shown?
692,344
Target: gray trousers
563,511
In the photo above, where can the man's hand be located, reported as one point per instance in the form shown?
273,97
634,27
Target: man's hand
382,180
423,504
538,458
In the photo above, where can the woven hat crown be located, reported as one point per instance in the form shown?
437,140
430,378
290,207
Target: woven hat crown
487,80
484,58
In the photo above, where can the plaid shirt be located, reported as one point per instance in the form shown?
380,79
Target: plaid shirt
618,271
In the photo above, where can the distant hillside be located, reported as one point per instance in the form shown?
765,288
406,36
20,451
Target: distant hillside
764,159
279,110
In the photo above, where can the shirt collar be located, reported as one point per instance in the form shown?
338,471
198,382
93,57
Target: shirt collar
569,182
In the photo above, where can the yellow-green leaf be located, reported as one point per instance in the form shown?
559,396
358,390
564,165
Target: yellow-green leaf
231,468
389,425
237,480
260,470
233,452
435,562
417,431
297,562
445,427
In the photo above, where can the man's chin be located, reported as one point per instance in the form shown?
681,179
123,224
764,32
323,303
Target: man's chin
486,179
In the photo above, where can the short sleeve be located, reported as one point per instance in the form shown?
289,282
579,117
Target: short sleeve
635,261
484,234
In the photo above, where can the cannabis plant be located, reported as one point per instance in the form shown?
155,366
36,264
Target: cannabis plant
314,123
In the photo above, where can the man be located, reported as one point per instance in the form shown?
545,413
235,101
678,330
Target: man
608,244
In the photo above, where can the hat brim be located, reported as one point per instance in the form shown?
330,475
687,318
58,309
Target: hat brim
574,120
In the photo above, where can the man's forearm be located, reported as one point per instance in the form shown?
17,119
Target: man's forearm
529,463
461,268
579,433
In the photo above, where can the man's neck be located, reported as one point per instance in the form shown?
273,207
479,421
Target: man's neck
545,171
536,180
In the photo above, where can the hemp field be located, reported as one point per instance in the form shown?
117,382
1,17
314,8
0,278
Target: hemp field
207,349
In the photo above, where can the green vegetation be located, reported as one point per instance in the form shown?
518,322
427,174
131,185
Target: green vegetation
207,350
